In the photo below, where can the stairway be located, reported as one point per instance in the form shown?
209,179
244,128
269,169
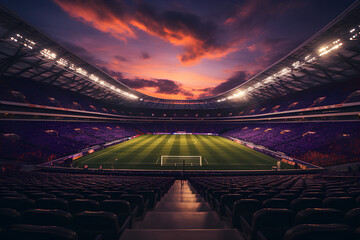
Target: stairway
181,214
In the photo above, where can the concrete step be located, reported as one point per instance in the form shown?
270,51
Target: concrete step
182,207
180,192
181,234
183,194
182,199
181,220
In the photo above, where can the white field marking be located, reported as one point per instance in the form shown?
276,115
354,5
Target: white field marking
157,161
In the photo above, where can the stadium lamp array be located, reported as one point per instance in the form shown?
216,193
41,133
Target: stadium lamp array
324,50
52,56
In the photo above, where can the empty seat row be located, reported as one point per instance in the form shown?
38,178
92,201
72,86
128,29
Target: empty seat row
42,205
272,224
267,207
21,204
49,224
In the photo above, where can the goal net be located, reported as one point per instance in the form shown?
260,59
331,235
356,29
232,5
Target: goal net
167,160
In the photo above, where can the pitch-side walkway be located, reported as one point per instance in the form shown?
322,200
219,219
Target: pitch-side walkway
181,214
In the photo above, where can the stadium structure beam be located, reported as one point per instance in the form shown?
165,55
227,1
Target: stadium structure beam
257,96
73,78
35,64
80,82
297,86
108,94
281,83
21,58
55,76
277,90
8,33
297,79
327,71
5,65
311,75
354,49
348,62
94,91
41,73
84,87
266,90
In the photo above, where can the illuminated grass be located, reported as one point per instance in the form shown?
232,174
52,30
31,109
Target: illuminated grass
144,152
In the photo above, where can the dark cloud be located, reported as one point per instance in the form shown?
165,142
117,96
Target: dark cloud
252,16
145,55
83,53
121,58
271,50
164,86
235,80
115,74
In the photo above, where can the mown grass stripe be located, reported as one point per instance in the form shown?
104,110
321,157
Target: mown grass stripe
184,146
192,145
239,156
139,156
97,155
136,148
156,150
143,151
175,148
251,152
212,156
115,152
226,157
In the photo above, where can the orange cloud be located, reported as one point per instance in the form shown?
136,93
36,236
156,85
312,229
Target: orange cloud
198,38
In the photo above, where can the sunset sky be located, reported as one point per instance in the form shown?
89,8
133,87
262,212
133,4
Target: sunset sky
183,49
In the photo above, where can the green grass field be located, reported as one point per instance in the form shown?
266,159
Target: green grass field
144,152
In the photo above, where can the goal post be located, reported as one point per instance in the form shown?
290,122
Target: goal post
176,160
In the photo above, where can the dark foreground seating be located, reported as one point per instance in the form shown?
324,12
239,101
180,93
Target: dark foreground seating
276,203
270,224
122,210
320,231
52,203
149,196
99,197
341,203
319,216
80,205
47,217
24,231
352,217
70,196
136,202
303,203
9,216
91,225
115,194
20,204
227,203
243,211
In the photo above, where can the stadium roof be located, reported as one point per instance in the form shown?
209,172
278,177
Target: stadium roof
331,55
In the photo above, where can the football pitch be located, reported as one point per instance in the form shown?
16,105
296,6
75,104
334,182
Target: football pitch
144,152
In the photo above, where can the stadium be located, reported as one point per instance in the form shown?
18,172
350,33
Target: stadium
87,152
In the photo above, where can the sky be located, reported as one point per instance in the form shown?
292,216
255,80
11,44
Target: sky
179,49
